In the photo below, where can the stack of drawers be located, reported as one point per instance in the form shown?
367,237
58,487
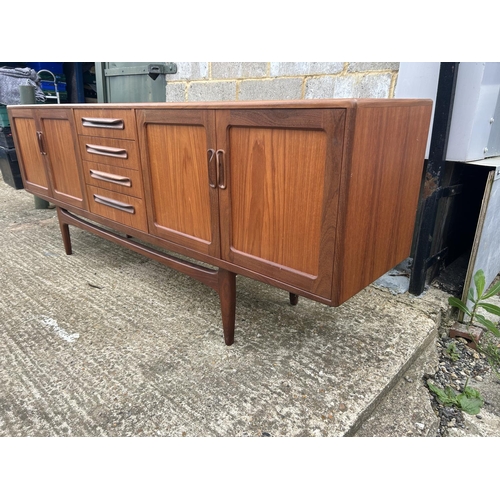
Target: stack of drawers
111,165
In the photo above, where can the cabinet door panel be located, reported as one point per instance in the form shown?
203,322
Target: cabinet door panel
182,207
29,153
279,211
62,157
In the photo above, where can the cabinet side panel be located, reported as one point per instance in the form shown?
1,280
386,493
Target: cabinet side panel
28,152
388,152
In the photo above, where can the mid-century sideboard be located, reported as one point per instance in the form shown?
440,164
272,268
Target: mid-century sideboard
316,197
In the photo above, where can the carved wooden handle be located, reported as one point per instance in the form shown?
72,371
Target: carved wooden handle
106,151
39,136
115,179
220,167
212,169
109,202
114,123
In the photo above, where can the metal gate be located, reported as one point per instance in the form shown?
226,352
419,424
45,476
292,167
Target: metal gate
132,81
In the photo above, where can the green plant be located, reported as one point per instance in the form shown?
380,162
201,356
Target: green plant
477,299
491,350
469,400
488,346
452,351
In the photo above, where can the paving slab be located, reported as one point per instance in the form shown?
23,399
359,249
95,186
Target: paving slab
106,342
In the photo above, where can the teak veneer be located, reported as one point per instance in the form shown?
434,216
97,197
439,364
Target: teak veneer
316,197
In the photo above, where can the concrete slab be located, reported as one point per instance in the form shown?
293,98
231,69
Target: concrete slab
108,343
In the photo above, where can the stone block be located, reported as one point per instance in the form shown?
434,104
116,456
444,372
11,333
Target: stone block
232,70
376,85
305,68
212,91
355,67
320,88
176,92
276,89
190,71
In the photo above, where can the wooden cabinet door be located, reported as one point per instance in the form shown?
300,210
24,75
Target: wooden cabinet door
178,159
48,150
281,169
60,145
29,150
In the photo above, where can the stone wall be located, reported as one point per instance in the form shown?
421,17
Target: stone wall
246,81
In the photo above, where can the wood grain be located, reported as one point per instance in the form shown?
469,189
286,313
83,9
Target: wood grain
279,213
127,116
63,161
380,193
134,176
277,196
137,219
131,161
182,206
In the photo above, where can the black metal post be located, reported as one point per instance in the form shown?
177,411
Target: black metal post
434,174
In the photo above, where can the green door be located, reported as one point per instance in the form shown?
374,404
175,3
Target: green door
132,81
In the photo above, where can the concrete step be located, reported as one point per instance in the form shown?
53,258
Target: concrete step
406,409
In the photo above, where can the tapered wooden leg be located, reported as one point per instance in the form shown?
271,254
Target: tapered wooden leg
227,296
294,299
65,233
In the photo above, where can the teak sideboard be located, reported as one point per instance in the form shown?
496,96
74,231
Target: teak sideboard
315,197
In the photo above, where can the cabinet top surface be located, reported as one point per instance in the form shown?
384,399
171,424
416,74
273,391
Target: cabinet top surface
304,103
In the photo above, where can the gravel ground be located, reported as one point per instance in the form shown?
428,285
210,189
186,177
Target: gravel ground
454,371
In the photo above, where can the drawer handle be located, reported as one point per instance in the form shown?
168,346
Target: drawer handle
220,167
109,202
114,123
106,151
115,179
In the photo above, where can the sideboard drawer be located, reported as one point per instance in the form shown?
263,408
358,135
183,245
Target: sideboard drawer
118,207
116,123
117,152
117,179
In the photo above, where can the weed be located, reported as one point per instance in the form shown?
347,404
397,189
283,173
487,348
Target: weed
452,351
488,346
469,400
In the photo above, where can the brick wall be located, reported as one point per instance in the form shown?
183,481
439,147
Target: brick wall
246,81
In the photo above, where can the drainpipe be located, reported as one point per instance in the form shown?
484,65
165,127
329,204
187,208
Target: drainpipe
432,189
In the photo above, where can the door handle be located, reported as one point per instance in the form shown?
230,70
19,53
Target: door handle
220,155
39,136
212,169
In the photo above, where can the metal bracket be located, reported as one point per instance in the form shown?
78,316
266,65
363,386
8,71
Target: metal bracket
448,191
151,69
436,257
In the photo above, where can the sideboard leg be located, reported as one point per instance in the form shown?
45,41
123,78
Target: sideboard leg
65,233
294,299
227,295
